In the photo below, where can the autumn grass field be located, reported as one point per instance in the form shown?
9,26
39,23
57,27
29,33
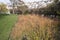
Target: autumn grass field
6,24
34,27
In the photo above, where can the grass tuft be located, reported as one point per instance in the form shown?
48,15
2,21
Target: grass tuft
34,27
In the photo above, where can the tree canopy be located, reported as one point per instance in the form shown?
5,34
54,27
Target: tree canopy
3,8
16,3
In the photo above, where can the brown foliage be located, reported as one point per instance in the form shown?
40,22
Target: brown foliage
34,27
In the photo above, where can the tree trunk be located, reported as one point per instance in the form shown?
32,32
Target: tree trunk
13,8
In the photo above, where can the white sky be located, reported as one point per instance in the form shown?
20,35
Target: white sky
7,1
30,0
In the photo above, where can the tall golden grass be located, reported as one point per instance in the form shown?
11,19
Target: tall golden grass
34,27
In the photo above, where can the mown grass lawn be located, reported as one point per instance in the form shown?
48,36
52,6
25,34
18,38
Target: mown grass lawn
6,24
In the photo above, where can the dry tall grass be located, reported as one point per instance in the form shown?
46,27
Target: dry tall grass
34,27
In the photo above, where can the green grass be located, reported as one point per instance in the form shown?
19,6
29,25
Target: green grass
6,24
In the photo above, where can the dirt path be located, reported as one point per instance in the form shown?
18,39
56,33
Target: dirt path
26,23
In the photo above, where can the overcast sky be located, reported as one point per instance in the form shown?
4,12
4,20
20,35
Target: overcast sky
30,6
7,1
30,0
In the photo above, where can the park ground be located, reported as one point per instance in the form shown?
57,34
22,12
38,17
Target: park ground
6,24
14,27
